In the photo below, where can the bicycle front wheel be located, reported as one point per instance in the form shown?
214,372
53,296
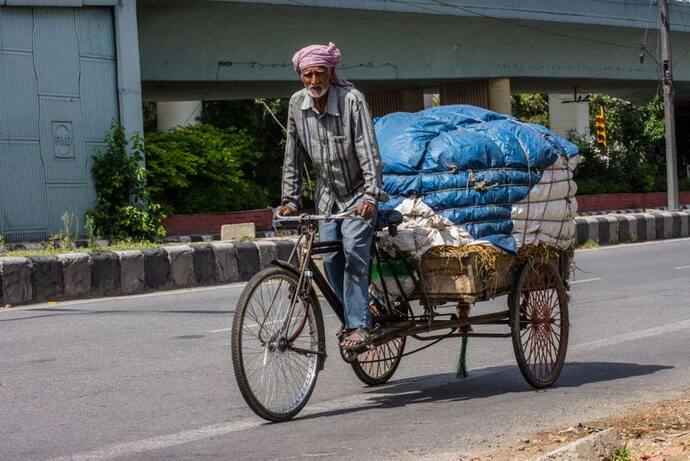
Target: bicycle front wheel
277,344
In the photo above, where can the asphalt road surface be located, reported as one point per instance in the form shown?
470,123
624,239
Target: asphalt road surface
150,376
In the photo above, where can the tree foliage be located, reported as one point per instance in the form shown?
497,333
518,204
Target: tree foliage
254,116
531,108
123,209
203,169
634,159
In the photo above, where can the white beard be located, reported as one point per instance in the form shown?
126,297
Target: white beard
316,94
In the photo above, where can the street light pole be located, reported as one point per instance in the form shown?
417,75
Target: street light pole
669,115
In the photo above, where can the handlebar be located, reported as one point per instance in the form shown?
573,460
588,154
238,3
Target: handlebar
305,218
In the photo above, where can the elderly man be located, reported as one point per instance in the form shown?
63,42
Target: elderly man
329,120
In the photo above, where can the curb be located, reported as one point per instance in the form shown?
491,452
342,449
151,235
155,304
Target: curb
632,227
600,445
33,279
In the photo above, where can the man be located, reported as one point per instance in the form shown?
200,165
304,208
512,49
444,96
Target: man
329,120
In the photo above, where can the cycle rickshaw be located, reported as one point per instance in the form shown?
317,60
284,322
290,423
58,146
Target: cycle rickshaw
278,342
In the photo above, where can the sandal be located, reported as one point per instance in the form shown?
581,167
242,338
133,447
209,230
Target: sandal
356,339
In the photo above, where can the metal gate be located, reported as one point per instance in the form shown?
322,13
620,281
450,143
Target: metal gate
58,97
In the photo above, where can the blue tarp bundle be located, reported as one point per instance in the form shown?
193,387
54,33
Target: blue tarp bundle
469,164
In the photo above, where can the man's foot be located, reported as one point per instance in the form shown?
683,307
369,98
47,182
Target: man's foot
356,339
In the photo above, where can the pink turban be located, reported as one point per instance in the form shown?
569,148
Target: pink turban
320,55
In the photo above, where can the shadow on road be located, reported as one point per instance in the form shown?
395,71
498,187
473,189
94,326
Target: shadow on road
485,383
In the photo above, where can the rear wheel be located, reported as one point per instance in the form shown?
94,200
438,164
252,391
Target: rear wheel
376,366
539,323
277,345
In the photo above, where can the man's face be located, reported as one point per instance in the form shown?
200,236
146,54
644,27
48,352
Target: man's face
317,80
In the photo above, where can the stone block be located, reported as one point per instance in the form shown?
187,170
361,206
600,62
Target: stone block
267,252
156,269
76,274
131,271
235,231
225,257
581,234
284,248
248,260
204,263
15,274
105,274
46,278
181,265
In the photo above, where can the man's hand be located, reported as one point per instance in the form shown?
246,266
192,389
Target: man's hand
366,210
284,210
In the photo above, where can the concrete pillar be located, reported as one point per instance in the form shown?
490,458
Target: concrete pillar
412,99
491,94
572,117
128,67
474,92
177,114
499,95
382,102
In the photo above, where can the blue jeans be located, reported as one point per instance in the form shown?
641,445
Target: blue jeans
348,270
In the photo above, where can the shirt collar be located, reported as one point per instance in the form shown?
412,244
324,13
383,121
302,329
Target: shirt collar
331,103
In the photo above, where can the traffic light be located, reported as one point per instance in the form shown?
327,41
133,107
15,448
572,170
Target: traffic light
600,127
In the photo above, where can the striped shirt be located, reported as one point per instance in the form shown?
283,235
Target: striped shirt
342,146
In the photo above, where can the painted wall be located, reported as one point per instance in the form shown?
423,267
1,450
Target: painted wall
58,97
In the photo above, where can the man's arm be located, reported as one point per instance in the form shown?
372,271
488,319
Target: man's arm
367,150
292,165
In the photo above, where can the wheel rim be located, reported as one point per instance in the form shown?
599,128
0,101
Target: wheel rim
541,324
280,378
378,362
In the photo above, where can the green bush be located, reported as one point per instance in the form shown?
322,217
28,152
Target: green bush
201,169
123,207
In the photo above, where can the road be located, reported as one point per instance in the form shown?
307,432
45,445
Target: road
150,376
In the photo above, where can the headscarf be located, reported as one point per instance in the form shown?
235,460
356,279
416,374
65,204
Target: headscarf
320,55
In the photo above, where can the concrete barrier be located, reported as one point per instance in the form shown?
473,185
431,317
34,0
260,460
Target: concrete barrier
16,280
181,265
76,274
132,278
157,269
79,275
46,278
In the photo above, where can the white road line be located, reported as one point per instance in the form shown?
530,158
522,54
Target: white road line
585,280
165,441
222,330
633,336
682,267
130,449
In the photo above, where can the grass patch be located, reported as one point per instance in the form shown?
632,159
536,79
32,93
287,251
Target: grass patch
622,454
53,251
589,244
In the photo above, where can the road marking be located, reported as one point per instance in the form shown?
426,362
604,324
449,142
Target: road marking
585,280
165,441
222,330
633,245
131,449
682,267
633,336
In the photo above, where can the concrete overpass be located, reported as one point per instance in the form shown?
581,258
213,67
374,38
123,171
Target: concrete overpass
230,49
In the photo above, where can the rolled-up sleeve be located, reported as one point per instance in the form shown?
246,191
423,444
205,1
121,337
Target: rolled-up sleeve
292,164
367,150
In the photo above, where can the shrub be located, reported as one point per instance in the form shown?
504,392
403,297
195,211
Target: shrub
123,207
200,169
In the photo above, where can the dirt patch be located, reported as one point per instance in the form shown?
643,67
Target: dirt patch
655,432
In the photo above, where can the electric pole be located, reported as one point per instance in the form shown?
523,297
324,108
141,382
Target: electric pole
669,113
